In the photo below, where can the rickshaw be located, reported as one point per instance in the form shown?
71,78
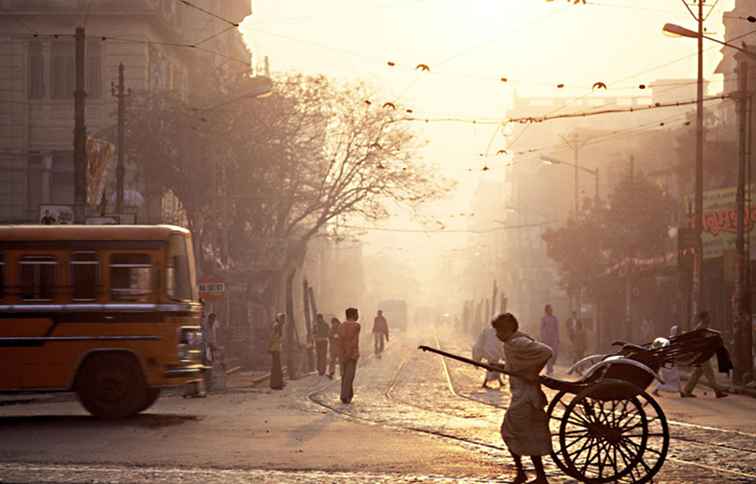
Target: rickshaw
610,428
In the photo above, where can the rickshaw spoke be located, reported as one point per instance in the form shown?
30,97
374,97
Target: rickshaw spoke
626,458
628,417
614,460
602,458
588,459
572,443
578,423
577,454
573,432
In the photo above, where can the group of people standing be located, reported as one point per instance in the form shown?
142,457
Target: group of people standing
335,344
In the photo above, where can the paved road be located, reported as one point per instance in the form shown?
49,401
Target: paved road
415,418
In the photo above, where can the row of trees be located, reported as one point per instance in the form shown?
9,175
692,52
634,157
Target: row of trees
250,172
633,224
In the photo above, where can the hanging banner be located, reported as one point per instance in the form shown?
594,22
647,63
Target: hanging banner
100,156
720,222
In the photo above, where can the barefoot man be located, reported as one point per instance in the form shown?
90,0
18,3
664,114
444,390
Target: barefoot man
525,428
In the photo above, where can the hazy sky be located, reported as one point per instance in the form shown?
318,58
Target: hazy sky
469,45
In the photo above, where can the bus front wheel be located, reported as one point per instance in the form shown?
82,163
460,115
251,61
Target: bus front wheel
151,398
111,385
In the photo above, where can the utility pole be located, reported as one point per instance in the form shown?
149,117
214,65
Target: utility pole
120,93
741,330
697,282
80,131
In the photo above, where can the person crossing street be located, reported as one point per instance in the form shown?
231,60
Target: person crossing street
380,333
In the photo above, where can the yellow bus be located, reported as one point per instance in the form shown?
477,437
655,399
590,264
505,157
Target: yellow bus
109,312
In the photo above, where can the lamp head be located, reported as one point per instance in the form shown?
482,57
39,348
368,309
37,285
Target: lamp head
675,30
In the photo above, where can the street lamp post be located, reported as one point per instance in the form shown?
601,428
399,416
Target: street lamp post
742,323
553,161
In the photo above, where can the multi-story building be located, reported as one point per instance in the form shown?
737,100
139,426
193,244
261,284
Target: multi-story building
540,182
152,38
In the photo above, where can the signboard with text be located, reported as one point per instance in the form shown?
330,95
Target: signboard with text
720,222
210,290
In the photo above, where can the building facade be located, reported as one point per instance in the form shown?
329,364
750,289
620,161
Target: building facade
152,38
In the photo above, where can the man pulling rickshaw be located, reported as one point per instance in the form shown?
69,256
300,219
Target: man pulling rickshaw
609,428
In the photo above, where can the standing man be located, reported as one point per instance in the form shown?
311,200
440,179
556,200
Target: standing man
550,336
704,320
334,346
380,331
275,346
321,343
349,335
571,326
525,428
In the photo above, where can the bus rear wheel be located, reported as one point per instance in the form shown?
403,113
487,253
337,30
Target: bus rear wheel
111,385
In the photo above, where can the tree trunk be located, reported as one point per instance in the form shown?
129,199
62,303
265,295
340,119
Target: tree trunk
308,325
292,342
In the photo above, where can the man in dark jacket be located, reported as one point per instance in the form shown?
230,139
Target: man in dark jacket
380,331
322,331
349,336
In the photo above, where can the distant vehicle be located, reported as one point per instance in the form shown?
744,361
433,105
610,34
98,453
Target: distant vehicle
395,311
110,312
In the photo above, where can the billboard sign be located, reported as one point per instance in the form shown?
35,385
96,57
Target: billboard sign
212,289
720,222
56,214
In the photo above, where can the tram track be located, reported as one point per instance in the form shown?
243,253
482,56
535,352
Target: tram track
313,397
396,379
750,476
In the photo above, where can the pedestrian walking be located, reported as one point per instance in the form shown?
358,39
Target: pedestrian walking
212,351
525,428
334,347
550,335
380,333
488,347
275,346
704,320
322,331
349,336
578,341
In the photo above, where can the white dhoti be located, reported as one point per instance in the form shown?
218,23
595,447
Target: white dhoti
525,428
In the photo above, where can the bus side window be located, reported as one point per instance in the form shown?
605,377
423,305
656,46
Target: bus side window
131,277
37,277
85,275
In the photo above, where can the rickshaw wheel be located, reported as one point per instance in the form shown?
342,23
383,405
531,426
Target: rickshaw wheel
657,442
558,404
606,439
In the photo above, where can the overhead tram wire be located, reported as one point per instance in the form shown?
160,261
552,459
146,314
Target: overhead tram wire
446,231
189,4
549,117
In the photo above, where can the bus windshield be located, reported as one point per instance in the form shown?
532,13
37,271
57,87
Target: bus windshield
179,270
